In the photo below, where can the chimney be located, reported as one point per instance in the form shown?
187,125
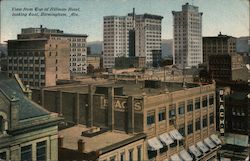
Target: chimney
41,26
60,141
81,146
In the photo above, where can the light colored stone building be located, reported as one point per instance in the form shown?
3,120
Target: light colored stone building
27,131
117,41
187,36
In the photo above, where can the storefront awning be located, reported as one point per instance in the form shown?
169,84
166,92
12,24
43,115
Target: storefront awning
209,143
215,139
154,144
175,157
195,151
166,139
185,155
202,147
175,134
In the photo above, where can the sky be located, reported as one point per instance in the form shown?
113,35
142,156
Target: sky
231,17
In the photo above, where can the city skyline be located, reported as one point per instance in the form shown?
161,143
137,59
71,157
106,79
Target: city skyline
229,16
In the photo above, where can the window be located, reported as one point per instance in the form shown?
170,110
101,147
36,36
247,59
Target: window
190,105
41,151
131,155
182,130
139,153
190,128
3,156
162,116
197,103
204,121
150,119
211,118
26,153
204,101
211,99
197,124
1,125
112,158
122,157
171,113
164,149
181,108
152,154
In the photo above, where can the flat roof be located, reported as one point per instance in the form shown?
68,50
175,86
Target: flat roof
130,88
95,143
35,39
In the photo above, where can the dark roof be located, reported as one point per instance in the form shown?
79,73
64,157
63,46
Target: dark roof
27,108
238,95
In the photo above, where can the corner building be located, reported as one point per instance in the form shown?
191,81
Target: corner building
117,40
178,122
27,131
187,36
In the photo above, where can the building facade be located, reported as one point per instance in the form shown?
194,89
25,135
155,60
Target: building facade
40,61
27,131
77,42
117,33
82,143
179,122
187,36
227,67
221,44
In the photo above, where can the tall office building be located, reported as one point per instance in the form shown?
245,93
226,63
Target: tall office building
78,45
187,36
131,35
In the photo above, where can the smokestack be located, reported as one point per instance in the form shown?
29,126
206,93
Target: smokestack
81,145
60,141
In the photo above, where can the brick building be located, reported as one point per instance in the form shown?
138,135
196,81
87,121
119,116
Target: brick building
179,122
227,67
221,44
40,61
77,45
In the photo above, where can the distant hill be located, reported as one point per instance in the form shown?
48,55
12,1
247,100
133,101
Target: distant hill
95,47
242,44
167,47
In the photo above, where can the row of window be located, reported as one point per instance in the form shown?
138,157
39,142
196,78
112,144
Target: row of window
41,149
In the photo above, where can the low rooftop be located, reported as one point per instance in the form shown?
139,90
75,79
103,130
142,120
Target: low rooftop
95,143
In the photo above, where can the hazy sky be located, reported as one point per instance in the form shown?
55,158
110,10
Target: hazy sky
231,17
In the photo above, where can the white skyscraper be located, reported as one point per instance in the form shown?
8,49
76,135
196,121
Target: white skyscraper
117,41
187,36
